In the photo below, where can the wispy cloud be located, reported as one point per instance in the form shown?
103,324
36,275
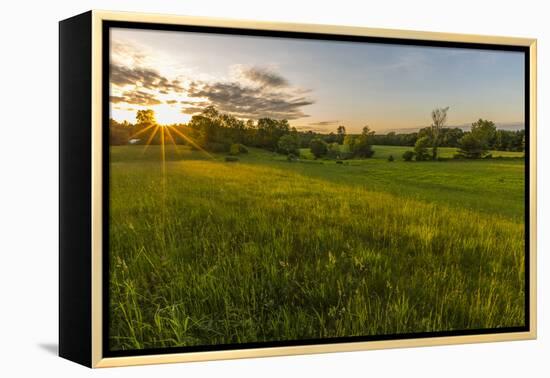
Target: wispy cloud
325,123
311,128
136,97
142,77
264,77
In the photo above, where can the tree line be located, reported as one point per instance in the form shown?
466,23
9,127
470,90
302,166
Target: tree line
502,140
219,132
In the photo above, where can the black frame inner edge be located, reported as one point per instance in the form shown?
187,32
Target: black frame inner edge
106,25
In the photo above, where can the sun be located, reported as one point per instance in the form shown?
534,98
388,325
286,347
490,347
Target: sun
169,115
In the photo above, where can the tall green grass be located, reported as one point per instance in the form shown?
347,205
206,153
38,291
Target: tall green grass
264,250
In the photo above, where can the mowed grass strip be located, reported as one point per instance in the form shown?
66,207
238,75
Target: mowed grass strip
251,251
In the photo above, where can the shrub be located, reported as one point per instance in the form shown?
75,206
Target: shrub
471,147
333,151
339,162
237,148
408,155
390,158
362,145
291,158
345,155
289,144
231,159
318,147
421,148
234,149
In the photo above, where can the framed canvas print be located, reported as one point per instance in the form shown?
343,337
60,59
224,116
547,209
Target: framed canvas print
236,189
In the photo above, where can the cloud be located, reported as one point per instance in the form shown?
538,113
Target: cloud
311,128
127,51
147,78
264,77
260,93
124,108
117,99
247,101
192,110
324,123
136,98
193,107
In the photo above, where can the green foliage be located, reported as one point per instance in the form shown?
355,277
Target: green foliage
349,142
211,128
382,152
318,148
216,147
119,133
269,131
450,137
390,158
439,119
291,157
506,140
231,158
471,147
145,117
334,151
421,149
408,155
476,143
289,144
345,155
341,132
393,139
234,149
484,131
362,147
237,148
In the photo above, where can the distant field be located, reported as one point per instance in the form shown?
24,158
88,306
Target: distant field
263,249
383,152
444,152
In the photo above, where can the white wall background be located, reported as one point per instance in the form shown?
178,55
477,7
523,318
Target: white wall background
28,186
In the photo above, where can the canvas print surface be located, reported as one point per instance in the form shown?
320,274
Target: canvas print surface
283,190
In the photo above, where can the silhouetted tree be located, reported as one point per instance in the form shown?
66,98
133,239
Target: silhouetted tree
145,117
471,147
485,132
439,118
363,144
341,132
289,144
318,147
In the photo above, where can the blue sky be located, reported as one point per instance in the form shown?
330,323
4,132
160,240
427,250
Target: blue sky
315,84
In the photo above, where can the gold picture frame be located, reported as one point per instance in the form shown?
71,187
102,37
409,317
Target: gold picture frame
90,268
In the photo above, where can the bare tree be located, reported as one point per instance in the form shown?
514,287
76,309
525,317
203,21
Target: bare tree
439,119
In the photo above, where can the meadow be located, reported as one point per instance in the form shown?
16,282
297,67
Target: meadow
204,251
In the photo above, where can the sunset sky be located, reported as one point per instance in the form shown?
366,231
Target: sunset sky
316,85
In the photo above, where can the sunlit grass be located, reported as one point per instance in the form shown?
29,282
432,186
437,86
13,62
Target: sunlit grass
265,250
